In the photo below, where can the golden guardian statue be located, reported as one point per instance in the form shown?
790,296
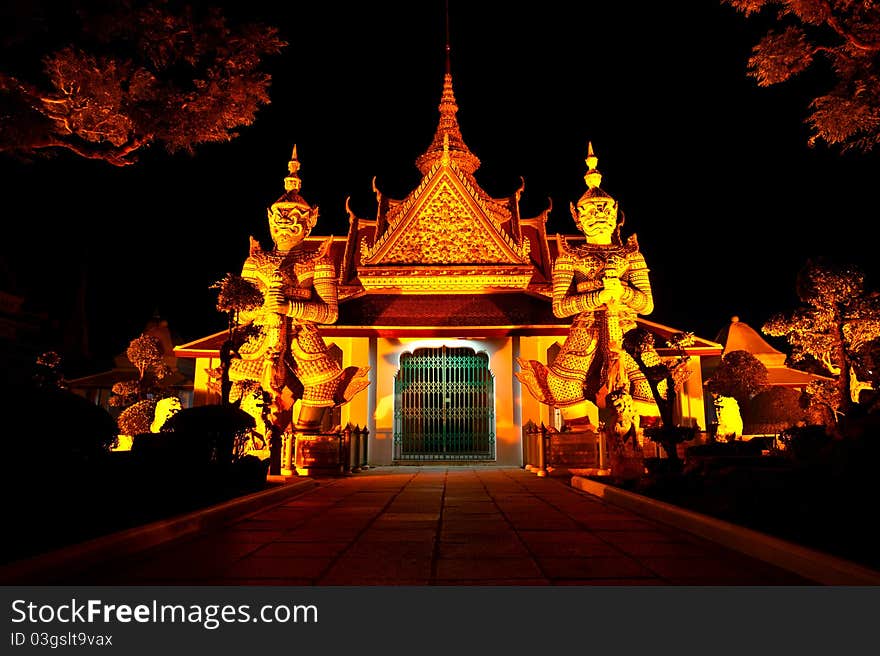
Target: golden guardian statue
288,356
603,284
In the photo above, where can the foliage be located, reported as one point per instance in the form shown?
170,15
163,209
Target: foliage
125,393
665,379
810,443
137,418
740,375
48,373
773,410
226,427
128,75
237,294
138,396
846,34
867,362
838,321
145,353
825,398
59,426
669,437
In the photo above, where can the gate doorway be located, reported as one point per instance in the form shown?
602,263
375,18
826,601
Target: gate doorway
444,405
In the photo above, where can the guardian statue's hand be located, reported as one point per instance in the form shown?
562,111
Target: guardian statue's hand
612,290
276,302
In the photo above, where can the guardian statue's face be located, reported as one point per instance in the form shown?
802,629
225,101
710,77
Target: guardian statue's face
598,219
287,226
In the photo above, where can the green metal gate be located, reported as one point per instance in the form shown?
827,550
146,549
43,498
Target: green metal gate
444,405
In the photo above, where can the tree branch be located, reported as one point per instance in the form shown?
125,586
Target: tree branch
845,34
116,157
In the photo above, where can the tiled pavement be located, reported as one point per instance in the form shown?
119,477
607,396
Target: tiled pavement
440,526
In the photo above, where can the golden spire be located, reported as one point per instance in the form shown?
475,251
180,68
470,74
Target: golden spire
448,128
292,181
593,178
448,47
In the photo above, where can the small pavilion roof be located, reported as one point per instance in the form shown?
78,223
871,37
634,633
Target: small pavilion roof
739,336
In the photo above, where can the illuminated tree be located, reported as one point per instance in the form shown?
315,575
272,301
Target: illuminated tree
137,418
130,74
140,395
740,375
48,373
839,320
666,380
773,410
236,294
868,362
846,34
145,353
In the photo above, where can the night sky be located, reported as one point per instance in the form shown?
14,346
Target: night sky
712,172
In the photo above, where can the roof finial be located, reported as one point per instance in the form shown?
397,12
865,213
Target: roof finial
448,47
448,125
292,181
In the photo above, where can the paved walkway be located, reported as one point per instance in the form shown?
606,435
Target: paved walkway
441,526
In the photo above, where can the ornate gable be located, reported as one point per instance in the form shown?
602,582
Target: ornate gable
448,235
445,237
444,223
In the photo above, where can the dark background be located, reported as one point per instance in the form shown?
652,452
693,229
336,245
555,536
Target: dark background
712,172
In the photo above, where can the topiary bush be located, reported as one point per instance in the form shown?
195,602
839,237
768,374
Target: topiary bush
774,410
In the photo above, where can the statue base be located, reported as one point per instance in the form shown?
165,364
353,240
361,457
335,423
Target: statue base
571,451
319,454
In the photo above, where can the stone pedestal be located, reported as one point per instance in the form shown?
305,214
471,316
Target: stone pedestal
319,454
571,451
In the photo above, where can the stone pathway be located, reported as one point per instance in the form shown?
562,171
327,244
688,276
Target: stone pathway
441,526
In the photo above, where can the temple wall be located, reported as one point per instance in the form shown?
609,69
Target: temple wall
691,405
201,394
508,435
387,357
355,352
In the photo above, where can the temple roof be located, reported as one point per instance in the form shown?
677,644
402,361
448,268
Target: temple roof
447,235
739,336
451,316
106,379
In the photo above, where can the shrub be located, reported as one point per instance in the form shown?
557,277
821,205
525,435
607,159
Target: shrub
57,424
808,444
740,375
137,418
774,410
